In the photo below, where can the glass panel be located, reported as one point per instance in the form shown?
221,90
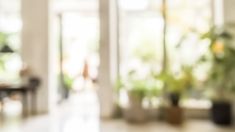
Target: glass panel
80,24
187,20
80,44
141,36
10,27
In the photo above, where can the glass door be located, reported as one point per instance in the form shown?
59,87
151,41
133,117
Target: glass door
78,44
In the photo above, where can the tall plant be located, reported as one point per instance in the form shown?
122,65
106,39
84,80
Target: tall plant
165,63
164,41
222,73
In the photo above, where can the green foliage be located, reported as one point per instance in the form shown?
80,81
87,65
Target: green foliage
145,87
138,88
154,87
179,83
222,49
68,81
3,38
216,33
118,85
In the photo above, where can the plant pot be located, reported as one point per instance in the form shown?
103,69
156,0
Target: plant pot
221,113
135,113
174,115
233,109
174,99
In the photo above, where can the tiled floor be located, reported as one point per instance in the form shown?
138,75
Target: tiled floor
74,118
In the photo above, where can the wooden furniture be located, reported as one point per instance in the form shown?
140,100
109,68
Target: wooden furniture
29,105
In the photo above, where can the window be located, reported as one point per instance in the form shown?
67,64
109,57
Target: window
141,35
141,28
10,28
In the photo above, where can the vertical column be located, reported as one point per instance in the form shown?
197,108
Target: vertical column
35,45
108,56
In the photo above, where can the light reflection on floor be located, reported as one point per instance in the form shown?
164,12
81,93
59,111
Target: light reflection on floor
81,114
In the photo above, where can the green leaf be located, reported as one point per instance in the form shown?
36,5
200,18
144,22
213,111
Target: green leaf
3,38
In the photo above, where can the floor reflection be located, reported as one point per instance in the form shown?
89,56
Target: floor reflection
81,114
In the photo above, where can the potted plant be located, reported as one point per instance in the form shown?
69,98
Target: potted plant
136,92
138,89
222,74
176,86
